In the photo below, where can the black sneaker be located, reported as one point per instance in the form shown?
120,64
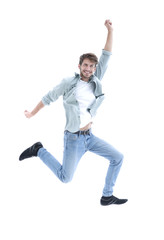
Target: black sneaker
112,200
31,151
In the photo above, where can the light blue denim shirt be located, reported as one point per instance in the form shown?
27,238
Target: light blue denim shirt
67,89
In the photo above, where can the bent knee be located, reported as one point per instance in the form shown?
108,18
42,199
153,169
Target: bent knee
120,157
66,179
117,159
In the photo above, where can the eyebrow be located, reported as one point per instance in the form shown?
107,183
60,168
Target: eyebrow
89,64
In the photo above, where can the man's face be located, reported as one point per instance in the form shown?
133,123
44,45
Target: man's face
87,69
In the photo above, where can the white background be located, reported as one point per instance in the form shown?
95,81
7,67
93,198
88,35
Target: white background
40,43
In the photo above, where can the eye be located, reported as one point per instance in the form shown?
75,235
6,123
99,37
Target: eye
92,66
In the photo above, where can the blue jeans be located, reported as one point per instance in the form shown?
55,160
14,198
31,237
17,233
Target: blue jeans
74,148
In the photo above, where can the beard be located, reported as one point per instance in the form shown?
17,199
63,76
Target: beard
85,76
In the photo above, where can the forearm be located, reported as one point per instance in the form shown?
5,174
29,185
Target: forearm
109,41
34,111
37,108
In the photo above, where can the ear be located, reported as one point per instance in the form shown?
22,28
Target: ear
79,66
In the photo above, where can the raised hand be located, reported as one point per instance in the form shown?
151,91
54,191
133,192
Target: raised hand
108,25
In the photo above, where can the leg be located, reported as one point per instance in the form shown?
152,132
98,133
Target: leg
73,151
105,150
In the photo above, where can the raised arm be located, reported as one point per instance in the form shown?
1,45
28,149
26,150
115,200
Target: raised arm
109,40
106,52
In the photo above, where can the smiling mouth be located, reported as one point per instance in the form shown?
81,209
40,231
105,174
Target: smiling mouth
86,74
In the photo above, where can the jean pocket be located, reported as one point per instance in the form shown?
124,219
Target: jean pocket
72,136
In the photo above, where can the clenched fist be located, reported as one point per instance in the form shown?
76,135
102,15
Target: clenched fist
108,25
28,114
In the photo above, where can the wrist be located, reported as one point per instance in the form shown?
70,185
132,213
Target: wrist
110,31
32,114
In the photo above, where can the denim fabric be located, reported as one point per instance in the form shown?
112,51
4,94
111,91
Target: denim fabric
74,148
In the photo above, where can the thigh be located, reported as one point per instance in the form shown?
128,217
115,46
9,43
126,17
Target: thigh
73,151
103,148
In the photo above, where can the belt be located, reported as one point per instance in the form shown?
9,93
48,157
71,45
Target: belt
88,132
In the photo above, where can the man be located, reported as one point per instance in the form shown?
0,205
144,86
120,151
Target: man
82,95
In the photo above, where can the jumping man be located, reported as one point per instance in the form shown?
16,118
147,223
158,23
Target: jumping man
82,96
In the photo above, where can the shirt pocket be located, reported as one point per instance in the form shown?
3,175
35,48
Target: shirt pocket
96,104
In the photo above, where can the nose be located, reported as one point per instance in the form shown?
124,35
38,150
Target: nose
88,68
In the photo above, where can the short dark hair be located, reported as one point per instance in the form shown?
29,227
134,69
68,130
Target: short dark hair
91,56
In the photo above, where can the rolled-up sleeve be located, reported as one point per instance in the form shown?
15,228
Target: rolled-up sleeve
103,64
54,94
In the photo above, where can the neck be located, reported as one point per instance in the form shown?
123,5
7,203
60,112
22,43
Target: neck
84,78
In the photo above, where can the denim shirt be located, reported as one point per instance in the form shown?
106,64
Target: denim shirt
67,89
